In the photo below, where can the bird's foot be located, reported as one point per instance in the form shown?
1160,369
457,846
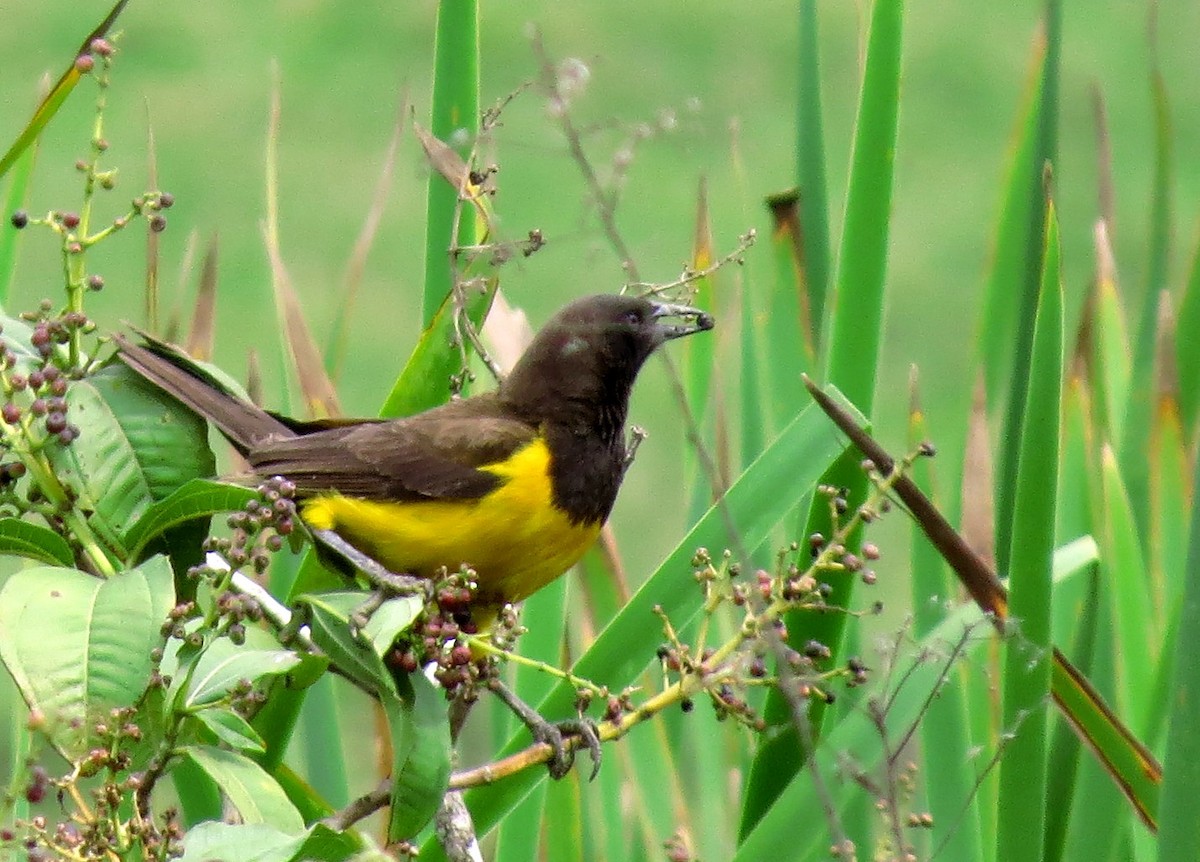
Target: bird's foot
563,737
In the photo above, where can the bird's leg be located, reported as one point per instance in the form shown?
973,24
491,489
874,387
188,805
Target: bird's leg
553,734
386,584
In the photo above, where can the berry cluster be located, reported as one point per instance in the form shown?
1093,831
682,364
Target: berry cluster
438,636
104,832
258,530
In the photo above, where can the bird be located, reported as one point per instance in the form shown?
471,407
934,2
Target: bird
514,483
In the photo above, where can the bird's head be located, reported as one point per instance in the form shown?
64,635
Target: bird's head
591,351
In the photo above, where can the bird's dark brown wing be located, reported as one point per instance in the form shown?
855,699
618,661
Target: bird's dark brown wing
434,455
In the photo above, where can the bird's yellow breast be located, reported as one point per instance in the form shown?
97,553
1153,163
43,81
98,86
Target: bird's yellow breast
514,538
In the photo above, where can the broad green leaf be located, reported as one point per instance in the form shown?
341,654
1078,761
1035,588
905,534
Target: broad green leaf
240,842
763,495
197,498
25,539
96,655
330,627
216,675
392,618
254,793
231,729
420,731
1027,668
136,446
258,842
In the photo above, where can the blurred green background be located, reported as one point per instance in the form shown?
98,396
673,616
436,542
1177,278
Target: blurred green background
714,82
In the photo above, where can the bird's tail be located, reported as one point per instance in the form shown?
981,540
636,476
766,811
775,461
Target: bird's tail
201,391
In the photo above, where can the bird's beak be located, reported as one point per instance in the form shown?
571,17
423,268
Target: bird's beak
694,320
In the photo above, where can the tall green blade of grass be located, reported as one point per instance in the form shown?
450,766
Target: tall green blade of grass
18,192
1042,129
790,343
1137,633
1140,408
1187,348
58,94
1027,652
853,353
1110,342
1179,835
945,731
544,617
1065,747
1013,242
810,167
455,119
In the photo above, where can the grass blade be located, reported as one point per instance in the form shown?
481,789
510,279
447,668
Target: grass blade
1042,148
852,356
58,94
1027,667
15,199
946,743
454,117
1179,838
810,170
1135,441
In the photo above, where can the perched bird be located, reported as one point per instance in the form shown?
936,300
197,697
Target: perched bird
514,483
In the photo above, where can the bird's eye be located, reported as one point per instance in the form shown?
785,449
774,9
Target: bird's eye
633,316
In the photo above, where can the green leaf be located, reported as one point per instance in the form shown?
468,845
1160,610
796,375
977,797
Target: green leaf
330,626
1027,669
420,731
810,159
258,842
26,539
425,380
1008,325
1179,836
454,115
1139,411
231,729
224,665
254,793
15,199
1187,348
79,646
946,730
241,842
136,446
197,498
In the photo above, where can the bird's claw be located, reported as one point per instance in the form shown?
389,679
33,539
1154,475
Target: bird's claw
557,735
